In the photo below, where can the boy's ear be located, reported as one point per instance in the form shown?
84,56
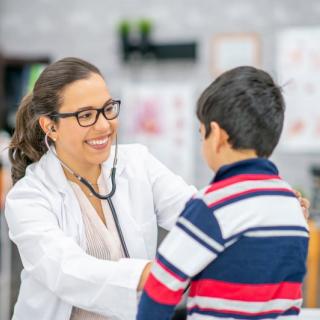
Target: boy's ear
220,136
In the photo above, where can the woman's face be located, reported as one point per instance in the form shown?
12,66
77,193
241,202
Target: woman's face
84,147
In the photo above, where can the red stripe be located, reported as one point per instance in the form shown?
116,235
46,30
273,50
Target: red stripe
236,195
246,292
160,293
242,313
240,178
169,271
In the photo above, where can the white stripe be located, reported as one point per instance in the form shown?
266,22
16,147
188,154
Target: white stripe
185,253
239,187
243,306
231,242
277,233
255,212
167,279
214,244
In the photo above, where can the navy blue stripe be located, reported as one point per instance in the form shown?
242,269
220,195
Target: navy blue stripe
249,166
202,217
170,266
260,261
268,228
149,309
222,315
196,238
253,194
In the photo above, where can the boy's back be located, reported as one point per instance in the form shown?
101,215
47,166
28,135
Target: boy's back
243,241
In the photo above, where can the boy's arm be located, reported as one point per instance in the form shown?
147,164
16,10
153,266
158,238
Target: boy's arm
192,244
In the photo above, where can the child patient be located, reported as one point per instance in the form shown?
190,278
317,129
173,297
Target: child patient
241,242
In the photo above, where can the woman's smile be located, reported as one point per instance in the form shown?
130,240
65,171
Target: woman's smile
99,143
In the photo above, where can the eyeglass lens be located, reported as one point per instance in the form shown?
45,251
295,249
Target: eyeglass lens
89,117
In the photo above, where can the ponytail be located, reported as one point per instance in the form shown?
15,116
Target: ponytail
27,144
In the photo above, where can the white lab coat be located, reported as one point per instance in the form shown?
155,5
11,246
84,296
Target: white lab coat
45,222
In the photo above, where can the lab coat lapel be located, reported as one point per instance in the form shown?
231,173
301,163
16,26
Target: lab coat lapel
121,201
130,229
69,212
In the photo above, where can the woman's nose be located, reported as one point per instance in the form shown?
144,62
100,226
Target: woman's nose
102,122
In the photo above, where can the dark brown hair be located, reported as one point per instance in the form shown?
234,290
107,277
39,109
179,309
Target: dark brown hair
248,105
27,144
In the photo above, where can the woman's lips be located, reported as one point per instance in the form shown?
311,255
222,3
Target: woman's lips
98,143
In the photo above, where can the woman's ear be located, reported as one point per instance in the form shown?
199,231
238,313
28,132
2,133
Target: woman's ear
48,126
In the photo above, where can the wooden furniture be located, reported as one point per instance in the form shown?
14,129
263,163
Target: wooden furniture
312,293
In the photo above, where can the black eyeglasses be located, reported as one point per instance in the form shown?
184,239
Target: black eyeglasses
90,116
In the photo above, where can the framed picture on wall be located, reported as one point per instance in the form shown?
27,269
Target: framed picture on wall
298,69
160,116
230,50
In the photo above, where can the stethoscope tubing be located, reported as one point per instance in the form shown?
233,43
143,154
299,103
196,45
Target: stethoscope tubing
98,195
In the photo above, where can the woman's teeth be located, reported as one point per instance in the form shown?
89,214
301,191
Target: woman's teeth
97,142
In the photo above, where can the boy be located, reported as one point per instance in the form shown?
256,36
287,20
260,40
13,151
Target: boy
240,243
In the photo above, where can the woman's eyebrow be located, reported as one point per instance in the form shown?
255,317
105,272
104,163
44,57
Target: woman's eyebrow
90,107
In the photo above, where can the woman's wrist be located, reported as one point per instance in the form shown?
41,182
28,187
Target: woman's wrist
144,275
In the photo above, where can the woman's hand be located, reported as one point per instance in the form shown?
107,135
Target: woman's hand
144,276
304,203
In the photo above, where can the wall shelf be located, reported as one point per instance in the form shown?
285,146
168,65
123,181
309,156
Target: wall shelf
146,49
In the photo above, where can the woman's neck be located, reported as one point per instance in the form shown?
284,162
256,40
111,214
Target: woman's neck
90,172
90,175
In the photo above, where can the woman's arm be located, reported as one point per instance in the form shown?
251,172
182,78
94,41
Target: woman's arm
144,276
170,192
58,263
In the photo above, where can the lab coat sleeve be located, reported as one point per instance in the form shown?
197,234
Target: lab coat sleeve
58,263
170,192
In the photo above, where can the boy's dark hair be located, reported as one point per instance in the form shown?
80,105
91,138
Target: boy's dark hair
248,105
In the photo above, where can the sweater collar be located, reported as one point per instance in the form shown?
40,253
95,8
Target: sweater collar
256,166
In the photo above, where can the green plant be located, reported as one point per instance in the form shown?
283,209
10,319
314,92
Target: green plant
144,26
124,27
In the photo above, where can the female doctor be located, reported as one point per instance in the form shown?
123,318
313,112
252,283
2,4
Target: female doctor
83,257
83,214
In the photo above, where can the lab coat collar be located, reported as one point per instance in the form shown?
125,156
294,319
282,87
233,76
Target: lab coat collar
107,165
52,171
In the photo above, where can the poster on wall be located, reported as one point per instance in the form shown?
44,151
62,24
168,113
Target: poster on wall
298,67
161,116
230,50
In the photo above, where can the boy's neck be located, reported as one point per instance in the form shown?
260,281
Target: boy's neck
232,156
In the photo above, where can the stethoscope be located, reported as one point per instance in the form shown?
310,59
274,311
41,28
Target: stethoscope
94,192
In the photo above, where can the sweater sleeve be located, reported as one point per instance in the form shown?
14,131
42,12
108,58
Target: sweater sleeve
193,243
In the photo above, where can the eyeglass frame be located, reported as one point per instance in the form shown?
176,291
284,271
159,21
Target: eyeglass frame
99,110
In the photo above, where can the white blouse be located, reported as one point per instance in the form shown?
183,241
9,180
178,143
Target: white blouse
102,240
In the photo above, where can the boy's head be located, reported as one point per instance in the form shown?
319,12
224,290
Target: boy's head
241,115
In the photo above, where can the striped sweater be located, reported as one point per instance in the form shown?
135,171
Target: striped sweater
240,243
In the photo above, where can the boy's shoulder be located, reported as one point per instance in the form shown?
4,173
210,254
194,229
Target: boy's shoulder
241,187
